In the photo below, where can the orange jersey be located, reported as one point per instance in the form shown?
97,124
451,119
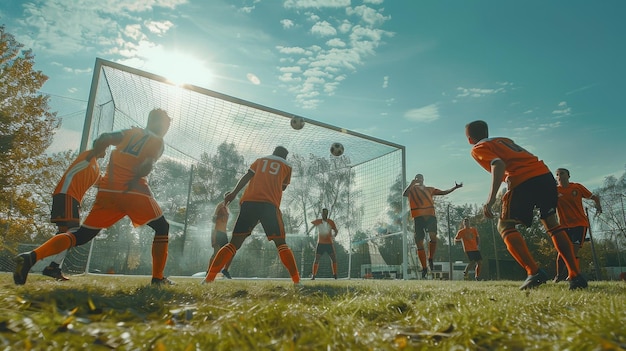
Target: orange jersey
570,205
324,230
469,238
421,200
136,146
521,165
271,173
79,177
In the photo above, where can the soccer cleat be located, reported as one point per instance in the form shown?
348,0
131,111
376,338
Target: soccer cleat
335,276
534,280
226,274
424,273
54,272
312,277
465,276
23,264
431,265
161,282
578,282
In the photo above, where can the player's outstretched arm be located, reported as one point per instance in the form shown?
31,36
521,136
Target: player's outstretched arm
230,196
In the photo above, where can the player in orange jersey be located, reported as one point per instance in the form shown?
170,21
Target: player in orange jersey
468,236
530,184
266,178
219,238
326,231
66,200
572,215
423,213
123,191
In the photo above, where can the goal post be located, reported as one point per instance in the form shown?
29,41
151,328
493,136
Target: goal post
212,140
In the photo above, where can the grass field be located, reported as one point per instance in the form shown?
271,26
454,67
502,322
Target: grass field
125,313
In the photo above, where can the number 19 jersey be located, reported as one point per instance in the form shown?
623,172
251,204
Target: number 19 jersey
271,173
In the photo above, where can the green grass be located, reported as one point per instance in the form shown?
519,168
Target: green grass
125,313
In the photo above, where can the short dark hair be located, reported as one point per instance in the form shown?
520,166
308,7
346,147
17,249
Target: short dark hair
280,151
477,130
563,169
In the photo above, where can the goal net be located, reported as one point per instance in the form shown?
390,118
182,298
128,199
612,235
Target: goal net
212,140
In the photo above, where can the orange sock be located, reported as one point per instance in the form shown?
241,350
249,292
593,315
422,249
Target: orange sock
516,245
54,245
223,257
564,247
160,244
286,256
334,267
422,256
315,268
432,247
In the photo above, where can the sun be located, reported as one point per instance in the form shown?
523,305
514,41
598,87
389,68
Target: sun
179,68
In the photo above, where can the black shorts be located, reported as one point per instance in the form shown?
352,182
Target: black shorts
424,224
577,235
65,209
474,256
221,239
325,248
518,204
253,213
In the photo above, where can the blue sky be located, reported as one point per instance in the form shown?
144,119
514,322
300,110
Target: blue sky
549,74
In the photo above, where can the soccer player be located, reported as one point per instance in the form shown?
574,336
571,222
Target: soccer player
423,213
530,184
326,231
468,236
572,215
219,238
66,200
268,177
123,191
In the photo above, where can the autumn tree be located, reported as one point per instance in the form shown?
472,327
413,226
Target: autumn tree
26,130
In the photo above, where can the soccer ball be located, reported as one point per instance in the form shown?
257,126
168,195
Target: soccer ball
297,122
336,149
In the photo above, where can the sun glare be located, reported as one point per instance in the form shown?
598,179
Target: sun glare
180,68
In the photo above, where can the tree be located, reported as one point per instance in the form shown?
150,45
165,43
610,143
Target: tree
26,131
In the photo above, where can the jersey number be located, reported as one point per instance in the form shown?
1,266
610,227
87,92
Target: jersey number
274,167
134,147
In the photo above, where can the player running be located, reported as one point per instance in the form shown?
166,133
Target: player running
530,184
123,191
268,177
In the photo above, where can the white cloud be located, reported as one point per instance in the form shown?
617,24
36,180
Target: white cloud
373,2
247,9
562,110
478,92
385,82
65,28
292,50
323,29
369,15
159,27
286,23
428,113
315,3
336,43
